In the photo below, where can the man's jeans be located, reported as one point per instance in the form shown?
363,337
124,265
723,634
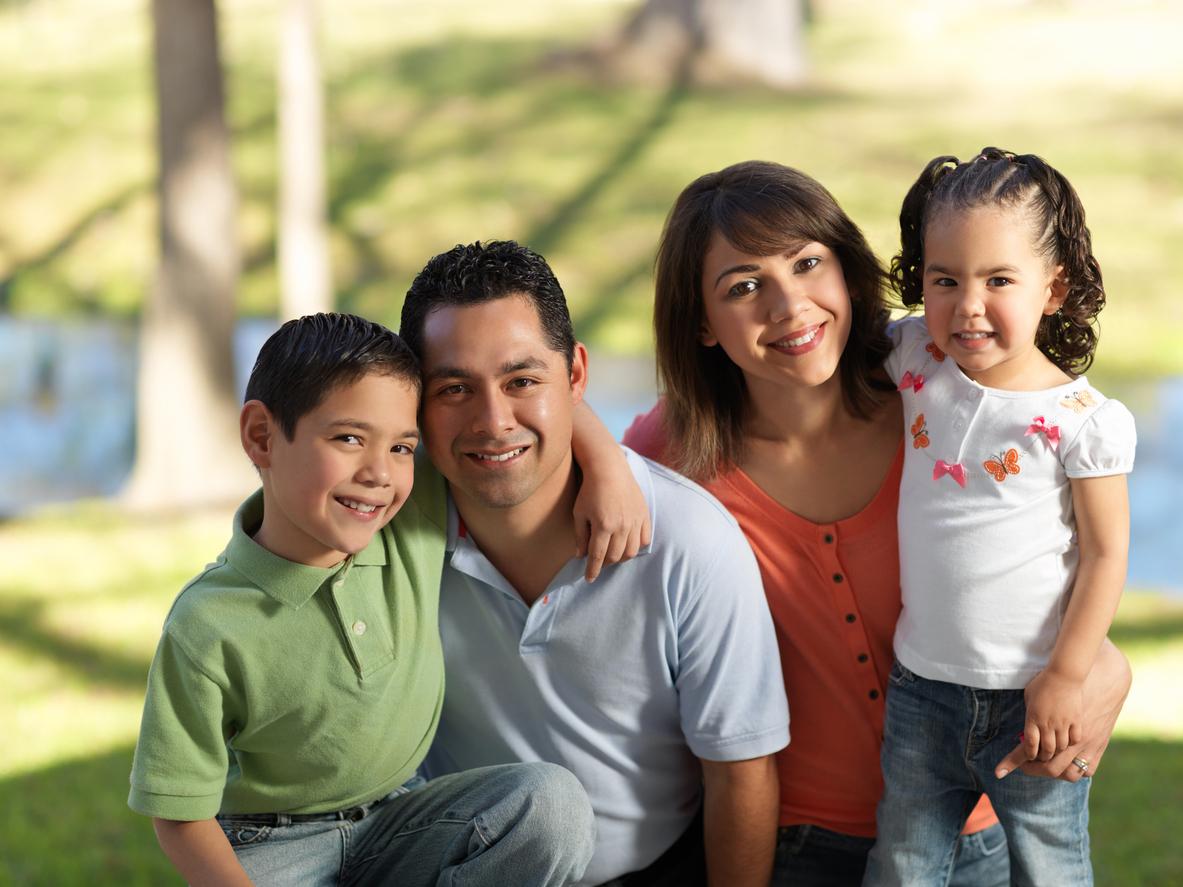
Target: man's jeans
941,743
811,856
519,824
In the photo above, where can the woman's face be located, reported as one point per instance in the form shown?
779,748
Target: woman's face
782,319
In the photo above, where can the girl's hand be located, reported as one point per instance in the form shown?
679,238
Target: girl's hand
611,520
1054,704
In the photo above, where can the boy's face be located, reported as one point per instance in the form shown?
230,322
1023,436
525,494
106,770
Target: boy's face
346,472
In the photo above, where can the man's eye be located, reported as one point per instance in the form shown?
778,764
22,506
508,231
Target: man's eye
523,383
451,390
743,288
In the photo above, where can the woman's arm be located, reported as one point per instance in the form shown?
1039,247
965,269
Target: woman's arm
200,852
611,515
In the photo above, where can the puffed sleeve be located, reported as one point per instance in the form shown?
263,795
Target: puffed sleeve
647,434
1104,445
908,336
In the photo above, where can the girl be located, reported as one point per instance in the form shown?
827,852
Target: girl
770,325
1013,517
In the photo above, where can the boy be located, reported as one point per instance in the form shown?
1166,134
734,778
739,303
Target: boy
298,681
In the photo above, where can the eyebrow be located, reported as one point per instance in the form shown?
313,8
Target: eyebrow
736,269
361,425
941,269
508,368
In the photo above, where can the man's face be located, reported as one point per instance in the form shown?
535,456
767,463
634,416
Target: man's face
498,403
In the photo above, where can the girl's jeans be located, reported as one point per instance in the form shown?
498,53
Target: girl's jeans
941,743
520,824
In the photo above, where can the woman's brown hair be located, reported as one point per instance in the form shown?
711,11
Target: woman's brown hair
761,208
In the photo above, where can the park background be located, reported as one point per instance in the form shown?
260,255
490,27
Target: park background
455,120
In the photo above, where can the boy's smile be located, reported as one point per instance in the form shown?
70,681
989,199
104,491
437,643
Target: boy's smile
347,470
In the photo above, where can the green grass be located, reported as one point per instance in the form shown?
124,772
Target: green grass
447,123
81,601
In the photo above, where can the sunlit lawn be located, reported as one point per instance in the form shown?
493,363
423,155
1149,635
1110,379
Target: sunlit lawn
447,123
84,592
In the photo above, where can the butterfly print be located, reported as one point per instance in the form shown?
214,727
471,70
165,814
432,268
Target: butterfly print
919,433
937,354
1078,401
1006,463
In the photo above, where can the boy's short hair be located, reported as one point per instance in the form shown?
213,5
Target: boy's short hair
308,357
474,273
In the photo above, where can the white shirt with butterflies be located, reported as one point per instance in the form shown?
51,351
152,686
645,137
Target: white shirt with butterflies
987,534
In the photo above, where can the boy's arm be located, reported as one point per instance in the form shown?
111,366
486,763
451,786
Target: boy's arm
200,852
740,812
611,515
1101,505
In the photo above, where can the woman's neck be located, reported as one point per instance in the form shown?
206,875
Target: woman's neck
786,414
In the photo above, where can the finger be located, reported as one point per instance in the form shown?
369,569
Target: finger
597,548
1031,740
1075,735
616,546
1047,745
1016,759
582,532
634,543
646,531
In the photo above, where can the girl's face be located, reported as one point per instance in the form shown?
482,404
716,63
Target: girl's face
782,319
985,291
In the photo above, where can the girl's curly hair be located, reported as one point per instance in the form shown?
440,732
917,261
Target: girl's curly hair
1001,178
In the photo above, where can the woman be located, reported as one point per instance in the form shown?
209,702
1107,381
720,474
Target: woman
770,321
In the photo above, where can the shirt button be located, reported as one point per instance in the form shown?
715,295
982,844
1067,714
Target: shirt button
863,657
828,538
359,628
337,585
837,577
850,617
958,425
874,694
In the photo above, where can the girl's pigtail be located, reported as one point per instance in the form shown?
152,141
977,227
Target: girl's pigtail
907,265
1068,337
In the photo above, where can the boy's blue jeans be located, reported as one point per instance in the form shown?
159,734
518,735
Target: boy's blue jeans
520,824
941,743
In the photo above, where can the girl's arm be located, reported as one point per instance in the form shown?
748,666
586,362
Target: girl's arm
1101,505
611,515
200,852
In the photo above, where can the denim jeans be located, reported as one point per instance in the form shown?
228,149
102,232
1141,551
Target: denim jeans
941,743
811,856
521,824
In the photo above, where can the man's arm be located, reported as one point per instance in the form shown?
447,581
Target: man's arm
1105,690
740,817
200,852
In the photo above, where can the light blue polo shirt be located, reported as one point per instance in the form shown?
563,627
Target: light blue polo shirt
626,681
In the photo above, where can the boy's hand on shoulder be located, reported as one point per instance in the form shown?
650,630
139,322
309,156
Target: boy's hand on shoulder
1054,705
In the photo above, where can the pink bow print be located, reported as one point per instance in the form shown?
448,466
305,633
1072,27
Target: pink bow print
909,381
1051,433
955,471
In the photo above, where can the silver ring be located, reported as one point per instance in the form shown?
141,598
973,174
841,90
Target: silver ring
1082,765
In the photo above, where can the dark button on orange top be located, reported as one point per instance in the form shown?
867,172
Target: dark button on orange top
837,577
828,538
850,617
863,657
874,694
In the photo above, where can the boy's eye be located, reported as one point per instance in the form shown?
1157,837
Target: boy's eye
403,449
806,264
743,288
348,438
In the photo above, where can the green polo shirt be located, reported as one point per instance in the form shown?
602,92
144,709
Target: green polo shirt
282,688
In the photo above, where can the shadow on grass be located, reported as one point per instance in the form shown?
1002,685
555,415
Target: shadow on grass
70,824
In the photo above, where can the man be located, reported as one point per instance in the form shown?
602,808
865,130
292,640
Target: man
659,685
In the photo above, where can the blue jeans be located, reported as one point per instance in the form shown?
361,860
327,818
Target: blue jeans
811,856
941,743
521,824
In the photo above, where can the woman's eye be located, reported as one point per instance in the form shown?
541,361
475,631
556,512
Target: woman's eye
743,288
806,264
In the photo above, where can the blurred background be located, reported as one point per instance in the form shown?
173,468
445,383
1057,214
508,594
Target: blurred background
177,176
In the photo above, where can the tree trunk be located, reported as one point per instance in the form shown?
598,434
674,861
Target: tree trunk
717,41
304,274
187,449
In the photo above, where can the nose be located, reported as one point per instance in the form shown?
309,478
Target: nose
784,301
492,414
375,470
969,301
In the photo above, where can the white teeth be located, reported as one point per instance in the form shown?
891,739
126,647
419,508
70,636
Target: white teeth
973,335
358,506
801,340
504,457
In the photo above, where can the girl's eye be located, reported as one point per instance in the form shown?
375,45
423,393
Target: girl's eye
944,281
806,264
741,289
998,281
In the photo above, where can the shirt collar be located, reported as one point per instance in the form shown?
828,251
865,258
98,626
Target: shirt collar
286,581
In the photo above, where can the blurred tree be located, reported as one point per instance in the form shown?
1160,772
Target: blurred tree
716,41
186,422
304,273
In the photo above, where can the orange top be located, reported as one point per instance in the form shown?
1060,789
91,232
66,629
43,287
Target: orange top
834,593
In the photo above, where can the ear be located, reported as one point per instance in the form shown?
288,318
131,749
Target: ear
706,337
1057,291
578,372
257,429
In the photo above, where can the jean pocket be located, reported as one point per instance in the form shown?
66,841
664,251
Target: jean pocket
240,834
900,676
